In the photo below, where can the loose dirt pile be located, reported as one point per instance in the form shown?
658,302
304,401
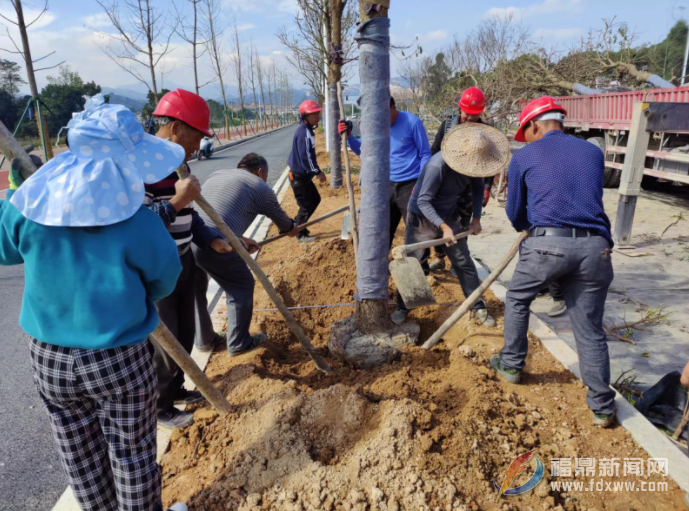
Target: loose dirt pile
431,431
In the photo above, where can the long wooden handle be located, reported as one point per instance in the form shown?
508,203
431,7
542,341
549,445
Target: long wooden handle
403,250
350,188
172,347
305,225
473,297
238,246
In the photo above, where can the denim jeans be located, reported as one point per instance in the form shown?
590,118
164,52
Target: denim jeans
419,229
583,268
235,278
205,332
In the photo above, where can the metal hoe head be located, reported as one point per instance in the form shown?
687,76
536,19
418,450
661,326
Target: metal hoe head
346,226
411,282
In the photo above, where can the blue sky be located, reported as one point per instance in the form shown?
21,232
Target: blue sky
70,28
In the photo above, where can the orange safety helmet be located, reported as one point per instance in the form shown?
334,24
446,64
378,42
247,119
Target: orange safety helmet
535,108
309,106
472,101
187,107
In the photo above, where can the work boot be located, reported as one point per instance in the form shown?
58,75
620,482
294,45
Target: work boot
178,507
604,420
437,265
510,375
218,339
174,418
559,307
188,397
399,316
305,238
485,319
256,341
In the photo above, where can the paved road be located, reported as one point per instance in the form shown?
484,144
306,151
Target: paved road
30,473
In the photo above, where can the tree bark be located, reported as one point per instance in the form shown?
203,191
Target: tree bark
334,41
373,38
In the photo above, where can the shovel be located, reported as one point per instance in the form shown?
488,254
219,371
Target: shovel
408,275
303,226
346,225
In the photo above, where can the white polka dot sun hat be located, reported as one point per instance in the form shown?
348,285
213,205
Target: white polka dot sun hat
100,180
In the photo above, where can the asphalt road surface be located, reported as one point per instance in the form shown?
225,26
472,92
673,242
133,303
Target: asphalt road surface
30,473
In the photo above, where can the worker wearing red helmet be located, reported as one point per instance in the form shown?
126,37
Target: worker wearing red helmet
556,194
303,166
184,118
471,105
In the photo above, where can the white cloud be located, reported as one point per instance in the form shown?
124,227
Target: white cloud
278,52
29,16
99,20
544,8
268,6
436,35
245,26
558,33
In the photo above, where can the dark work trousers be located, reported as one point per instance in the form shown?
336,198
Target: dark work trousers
464,210
205,333
177,311
555,290
308,199
235,278
400,193
419,229
583,268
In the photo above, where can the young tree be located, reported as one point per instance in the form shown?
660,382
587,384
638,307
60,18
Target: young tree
190,32
66,77
10,79
25,53
253,57
238,60
323,36
260,75
142,39
214,45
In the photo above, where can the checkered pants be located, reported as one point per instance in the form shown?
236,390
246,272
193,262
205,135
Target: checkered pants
101,405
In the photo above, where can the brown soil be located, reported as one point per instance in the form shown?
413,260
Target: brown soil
429,432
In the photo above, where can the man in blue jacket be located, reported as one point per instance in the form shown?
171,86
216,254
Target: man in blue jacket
303,166
556,194
409,153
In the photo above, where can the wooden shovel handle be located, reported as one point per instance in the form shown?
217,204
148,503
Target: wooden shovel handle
238,247
348,176
473,297
305,225
403,250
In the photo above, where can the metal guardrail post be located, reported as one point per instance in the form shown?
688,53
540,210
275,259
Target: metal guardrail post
632,173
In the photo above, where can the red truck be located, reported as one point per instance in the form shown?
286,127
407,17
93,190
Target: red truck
605,119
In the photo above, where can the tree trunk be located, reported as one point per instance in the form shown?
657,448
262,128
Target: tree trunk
373,38
193,46
334,138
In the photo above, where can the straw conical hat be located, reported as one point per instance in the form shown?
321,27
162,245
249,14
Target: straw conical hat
476,150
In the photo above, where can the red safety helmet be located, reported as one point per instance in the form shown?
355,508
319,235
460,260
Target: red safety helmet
309,106
534,109
472,101
187,107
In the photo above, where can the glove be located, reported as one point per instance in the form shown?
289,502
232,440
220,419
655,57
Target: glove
345,126
486,196
17,173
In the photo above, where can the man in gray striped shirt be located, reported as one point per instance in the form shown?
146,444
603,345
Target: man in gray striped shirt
239,196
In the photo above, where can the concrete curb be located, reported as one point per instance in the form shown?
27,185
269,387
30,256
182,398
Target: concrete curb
258,230
650,438
248,139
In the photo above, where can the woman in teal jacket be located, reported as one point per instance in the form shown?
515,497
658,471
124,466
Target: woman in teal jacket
95,261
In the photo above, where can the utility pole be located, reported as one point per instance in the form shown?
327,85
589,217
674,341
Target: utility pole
686,56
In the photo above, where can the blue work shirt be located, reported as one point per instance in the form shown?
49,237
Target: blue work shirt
409,149
557,182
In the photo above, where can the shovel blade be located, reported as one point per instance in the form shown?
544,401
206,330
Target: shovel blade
346,226
411,282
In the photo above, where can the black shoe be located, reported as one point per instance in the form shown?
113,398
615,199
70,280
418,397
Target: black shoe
174,418
305,239
256,341
188,397
220,338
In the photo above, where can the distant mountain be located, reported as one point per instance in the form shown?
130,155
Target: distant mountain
135,105
126,92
